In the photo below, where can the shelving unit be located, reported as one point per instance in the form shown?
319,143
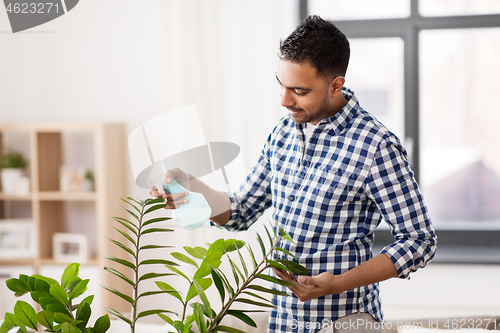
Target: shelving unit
51,210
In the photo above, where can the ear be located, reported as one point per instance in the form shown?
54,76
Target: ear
336,86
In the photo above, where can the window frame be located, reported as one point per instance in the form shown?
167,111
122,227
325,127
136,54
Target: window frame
408,29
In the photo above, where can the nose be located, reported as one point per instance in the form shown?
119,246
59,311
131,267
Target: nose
286,97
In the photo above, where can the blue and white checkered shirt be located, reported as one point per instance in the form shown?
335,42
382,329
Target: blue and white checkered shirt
353,174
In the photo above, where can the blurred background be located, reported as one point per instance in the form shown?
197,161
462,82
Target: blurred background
426,68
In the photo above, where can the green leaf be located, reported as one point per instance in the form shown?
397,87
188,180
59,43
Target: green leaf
219,284
79,289
154,292
257,296
10,322
58,307
153,275
70,272
137,209
227,285
68,328
127,236
148,247
192,292
62,318
175,270
88,300
120,294
267,290
152,312
285,252
102,324
130,212
36,295
25,313
262,247
275,280
243,263
200,319
17,286
44,301
242,316
73,283
46,319
254,262
59,293
184,258
158,261
231,245
203,297
204,269
235,269
295,267
155,207
152,230
83,313
120,275
122,262
155,220
249,301
127,224
195,252
269,237
132,199
275,264
169,289
119,315
167,319
222,328
122,246
151,201
46,279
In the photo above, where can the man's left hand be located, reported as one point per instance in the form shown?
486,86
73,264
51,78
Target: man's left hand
309,287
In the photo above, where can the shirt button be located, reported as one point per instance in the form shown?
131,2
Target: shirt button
291,198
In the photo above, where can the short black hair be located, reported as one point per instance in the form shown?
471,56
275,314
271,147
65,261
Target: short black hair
321,43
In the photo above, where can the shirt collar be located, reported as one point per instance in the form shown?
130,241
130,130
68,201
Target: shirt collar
338,122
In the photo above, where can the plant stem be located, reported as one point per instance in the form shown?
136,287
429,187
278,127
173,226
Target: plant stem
136,271
246,283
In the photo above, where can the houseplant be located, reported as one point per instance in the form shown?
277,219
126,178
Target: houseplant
12,164
207,262
57,300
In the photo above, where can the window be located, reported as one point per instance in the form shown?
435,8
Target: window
442,56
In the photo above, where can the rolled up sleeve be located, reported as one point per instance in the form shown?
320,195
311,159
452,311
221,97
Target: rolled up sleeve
253,196
393,189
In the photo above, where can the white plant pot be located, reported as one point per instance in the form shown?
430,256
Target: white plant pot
10,179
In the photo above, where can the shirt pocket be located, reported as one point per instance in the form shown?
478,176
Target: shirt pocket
338,183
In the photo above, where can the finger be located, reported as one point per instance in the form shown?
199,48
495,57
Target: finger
177,196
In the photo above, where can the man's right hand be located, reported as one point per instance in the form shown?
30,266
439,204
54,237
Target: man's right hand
174,200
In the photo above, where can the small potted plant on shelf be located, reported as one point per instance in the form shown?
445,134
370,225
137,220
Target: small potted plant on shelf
12,165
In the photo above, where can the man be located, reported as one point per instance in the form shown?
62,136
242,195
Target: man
331,172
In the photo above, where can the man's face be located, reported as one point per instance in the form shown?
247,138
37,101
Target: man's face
305,94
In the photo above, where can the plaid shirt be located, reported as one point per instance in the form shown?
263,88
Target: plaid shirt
330,200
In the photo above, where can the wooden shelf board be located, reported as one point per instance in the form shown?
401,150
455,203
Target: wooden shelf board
67,196
15,197
90,262
17,262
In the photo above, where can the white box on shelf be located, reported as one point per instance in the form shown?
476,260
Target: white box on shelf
17,239
70,248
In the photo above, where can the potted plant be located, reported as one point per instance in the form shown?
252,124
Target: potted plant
59,311
12,165
241,288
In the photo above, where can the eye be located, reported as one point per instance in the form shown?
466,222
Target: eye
300,92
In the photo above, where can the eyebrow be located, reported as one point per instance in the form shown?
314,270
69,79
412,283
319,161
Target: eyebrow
298,87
